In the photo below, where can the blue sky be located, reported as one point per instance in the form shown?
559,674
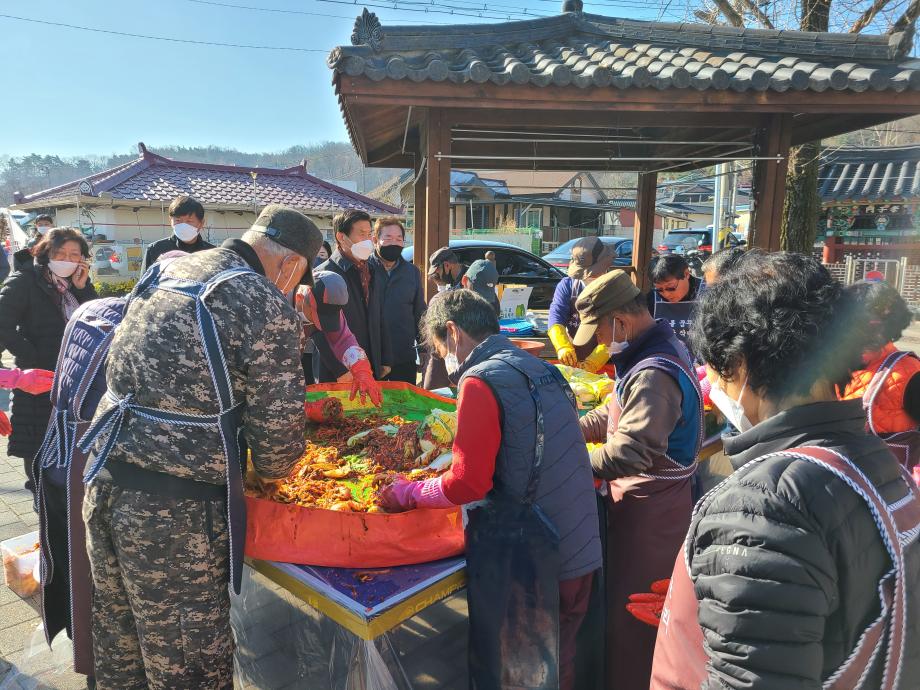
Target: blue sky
72,92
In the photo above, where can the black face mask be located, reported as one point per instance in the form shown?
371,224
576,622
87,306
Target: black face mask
390,252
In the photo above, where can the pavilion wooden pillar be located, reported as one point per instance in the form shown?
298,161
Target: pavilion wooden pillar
644,228
418,218
770,182
436,149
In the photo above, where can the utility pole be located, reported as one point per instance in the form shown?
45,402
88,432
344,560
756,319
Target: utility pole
716,206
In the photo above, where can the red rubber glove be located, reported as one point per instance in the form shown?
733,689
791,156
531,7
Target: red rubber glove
647,606
5,427
363,383
323,410
35,381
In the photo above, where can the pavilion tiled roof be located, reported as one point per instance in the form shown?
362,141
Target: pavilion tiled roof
587,50
870,174
156,178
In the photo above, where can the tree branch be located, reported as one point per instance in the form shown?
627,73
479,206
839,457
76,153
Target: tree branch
868,15
759,14
908,19
729,13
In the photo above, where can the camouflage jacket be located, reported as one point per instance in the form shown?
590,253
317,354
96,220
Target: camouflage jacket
157,356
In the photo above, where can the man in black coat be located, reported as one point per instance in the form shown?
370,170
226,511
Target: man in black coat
187,217
364,311
403,301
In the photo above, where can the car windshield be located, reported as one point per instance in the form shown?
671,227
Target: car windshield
687,240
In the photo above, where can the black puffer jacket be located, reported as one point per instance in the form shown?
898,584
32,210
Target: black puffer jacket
31,328
787,558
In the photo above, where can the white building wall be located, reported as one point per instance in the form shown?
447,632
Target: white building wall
147,225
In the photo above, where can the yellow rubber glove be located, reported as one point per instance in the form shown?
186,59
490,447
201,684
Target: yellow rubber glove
560,339
598,358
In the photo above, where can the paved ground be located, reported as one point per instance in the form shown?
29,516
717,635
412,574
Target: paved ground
19,618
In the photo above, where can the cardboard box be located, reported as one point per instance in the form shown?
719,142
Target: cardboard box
513,300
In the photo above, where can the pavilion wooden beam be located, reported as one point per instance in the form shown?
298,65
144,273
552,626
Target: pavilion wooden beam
770,183
644,227
436,147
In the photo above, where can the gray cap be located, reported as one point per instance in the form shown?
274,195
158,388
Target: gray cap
290,229
483,278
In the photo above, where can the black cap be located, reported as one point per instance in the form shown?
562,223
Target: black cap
291,229
439,257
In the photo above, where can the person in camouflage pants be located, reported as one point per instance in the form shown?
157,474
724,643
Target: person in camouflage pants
160,558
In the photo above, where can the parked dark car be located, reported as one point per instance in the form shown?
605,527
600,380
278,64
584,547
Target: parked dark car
623,246
682,241
514,265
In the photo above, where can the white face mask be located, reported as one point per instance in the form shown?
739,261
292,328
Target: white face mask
43,229
732,409
62,269
279,283
185,231
615,347
451,363
362,250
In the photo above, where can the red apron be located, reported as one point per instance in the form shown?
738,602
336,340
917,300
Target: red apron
680,658
904,444
647,520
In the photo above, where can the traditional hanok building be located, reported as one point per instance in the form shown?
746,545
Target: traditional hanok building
871,203
128,204
586,92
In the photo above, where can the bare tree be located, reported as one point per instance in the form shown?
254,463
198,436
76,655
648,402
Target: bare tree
802,205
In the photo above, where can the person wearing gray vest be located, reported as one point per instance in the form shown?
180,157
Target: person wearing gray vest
532,538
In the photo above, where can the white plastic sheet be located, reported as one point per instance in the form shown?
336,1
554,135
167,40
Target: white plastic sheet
39,666
283,642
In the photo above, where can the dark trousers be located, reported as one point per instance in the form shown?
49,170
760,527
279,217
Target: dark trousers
407,372
574,596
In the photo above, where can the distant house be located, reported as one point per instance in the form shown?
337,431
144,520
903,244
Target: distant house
870,199
562,205
694,199
128,204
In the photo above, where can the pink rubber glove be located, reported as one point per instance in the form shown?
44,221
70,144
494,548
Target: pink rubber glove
705,385
403,495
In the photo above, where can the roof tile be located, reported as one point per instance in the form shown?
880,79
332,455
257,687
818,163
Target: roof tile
565,49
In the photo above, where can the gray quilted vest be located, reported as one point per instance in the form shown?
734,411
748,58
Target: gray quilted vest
566,489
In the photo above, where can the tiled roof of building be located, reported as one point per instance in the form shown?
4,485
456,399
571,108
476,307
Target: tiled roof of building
870,174
154,177
587,50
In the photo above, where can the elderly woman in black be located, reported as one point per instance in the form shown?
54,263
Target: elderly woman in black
799,569
35,303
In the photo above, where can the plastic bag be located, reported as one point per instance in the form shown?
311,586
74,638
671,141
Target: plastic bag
39,665
590,390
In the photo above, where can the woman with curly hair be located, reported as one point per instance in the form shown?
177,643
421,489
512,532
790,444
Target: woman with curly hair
887,380
35,304
791,565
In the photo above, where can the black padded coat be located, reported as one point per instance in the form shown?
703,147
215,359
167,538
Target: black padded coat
31,328
786,560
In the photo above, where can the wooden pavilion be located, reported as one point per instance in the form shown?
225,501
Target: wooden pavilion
587,92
